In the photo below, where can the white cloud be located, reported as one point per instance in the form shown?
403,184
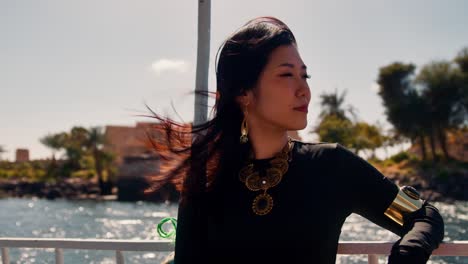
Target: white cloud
375,87
165,65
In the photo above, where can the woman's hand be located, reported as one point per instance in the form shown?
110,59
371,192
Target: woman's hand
424,230
401,254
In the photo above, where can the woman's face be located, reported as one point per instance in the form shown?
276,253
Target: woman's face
281,97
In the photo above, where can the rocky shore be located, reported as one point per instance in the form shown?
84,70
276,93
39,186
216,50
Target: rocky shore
446,185
446,188
82,189
73,188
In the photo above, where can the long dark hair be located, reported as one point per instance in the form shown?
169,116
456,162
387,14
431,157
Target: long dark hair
194,156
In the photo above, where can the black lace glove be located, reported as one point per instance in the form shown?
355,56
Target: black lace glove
424,230
402,254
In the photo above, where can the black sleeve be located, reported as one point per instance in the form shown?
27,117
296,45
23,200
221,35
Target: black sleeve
367,191
370,193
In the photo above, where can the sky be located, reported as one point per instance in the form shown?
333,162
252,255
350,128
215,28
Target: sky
91,63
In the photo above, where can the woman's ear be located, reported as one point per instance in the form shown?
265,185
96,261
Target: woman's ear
244,99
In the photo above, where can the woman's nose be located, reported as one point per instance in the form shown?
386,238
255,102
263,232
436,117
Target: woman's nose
304,91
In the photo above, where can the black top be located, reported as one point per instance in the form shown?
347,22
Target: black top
324,184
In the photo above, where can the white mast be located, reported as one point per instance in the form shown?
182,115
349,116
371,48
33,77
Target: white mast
203,57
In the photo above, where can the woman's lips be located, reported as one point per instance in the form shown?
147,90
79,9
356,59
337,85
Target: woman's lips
302,109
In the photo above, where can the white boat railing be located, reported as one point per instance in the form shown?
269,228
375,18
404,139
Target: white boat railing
375,248
370,248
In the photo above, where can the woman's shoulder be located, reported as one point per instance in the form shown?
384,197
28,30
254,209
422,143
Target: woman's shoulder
315,149
327,150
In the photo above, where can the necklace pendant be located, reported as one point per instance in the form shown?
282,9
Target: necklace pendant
262,204
279,165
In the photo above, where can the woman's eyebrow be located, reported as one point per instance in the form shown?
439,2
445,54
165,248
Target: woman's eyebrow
290,65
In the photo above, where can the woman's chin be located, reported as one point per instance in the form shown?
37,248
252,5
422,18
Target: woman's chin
298,126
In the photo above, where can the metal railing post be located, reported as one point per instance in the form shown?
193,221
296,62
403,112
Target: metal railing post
5,256
119,257
59,256
372,259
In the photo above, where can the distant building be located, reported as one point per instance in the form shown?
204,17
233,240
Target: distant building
128,141
136,159
22,155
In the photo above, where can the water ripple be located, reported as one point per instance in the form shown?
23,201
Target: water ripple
119,220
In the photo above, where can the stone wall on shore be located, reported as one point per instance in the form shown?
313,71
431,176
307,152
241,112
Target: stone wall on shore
71,188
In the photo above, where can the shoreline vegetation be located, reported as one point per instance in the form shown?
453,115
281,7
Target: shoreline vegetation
445,181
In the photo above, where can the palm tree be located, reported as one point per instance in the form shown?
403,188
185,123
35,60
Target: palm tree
332,104
54,142
95,143
2,150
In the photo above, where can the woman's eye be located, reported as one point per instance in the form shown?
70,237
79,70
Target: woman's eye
305,76
286,74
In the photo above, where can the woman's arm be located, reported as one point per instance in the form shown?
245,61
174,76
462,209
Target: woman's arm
371,194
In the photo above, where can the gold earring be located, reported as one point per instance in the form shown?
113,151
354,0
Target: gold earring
244,131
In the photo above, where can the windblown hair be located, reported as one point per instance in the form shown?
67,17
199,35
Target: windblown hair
195,157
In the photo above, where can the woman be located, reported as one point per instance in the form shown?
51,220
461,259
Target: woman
247,182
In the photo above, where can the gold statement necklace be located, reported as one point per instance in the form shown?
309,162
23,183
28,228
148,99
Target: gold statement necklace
263,203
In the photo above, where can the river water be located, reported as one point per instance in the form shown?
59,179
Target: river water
124,220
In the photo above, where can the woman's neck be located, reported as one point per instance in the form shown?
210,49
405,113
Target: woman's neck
267,142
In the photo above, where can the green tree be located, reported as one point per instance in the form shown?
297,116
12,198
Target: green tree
440,82
2,150
336,126
102,159
404,106
462,59
461,116
366,137
333,128
84,151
